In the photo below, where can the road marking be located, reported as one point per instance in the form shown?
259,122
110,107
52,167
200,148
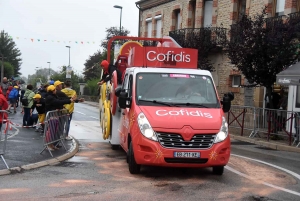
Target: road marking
94,117
264,183
80,113
275,166
10,136
16,133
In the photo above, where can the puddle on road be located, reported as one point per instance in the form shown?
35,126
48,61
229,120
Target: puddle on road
261,172
78,159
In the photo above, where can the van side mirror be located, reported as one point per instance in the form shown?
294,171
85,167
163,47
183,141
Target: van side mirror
123,99
227,101
118,91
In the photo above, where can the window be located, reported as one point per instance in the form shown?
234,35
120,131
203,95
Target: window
241,8
279,6
158,26
177,89
149,27
208,8
177,19
236,81
192,15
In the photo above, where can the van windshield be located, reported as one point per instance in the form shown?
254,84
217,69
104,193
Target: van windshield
175,90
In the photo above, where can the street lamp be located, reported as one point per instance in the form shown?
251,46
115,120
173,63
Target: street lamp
119,7
68,69
49,70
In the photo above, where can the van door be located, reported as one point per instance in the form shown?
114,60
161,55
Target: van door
125,121
128,118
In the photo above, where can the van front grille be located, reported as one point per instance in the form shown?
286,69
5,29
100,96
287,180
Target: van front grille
174,140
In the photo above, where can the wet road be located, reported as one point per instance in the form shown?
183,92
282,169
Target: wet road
99,173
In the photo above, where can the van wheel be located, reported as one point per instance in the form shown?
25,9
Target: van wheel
218,170
115,147
133,167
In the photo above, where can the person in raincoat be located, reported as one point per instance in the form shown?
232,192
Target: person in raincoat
108,71
26,108
3,106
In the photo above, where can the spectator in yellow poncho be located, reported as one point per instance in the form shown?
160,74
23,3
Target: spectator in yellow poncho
70,107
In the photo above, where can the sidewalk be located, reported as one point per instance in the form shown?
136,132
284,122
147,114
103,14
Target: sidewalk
24,146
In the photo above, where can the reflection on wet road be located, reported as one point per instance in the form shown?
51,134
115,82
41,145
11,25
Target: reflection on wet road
99,173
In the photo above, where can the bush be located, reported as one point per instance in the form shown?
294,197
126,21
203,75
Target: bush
91,87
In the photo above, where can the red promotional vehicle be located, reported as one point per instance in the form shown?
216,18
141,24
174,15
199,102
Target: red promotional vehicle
166,112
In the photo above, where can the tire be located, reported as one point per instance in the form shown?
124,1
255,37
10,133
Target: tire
133,167
115,147
218,170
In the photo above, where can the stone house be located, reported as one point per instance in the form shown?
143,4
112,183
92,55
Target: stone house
173,17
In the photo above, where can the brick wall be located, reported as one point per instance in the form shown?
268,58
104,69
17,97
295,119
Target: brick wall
224,14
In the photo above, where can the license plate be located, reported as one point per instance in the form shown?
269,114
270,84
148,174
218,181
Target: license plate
187,154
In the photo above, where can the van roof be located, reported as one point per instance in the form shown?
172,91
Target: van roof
136,70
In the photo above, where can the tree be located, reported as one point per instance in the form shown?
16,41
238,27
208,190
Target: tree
91,87
10,51
61,75
111,32
45,72
8,69
92,68
261,48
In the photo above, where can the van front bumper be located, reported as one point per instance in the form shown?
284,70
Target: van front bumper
148,152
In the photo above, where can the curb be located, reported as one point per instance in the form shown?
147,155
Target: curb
266,144
52,161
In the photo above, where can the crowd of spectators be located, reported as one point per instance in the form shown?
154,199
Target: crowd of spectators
35,104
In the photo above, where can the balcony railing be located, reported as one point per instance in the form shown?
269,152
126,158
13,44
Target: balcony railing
295,21
274,21
295,16
199,37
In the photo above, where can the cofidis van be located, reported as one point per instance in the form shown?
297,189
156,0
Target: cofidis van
171,112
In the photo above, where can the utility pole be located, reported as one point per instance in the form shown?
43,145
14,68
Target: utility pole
49,71
68,69
2,67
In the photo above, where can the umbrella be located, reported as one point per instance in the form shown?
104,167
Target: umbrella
290,76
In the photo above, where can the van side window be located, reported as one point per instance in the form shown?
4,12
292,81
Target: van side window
130,86
125,83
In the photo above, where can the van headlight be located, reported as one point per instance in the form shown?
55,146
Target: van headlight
223,133
146,128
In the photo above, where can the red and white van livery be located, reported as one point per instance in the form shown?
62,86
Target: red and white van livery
169,112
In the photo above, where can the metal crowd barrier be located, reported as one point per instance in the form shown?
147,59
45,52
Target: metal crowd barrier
297,128
3,135
274,123
56,123
241,117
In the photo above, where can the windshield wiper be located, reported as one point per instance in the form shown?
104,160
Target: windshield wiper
159,102
191,104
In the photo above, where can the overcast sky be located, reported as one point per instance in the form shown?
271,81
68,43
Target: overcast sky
59,22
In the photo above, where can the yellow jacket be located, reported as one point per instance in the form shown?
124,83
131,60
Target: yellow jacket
70,93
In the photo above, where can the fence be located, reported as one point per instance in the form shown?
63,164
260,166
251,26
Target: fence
275,124
4,124
55,127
